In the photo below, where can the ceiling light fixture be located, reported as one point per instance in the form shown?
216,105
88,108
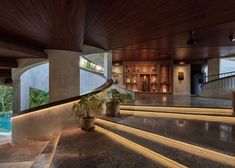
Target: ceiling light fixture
232,38
192,40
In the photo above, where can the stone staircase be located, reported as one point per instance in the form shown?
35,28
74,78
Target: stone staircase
21,155
79,149
223,115
119,145
140,140
186,154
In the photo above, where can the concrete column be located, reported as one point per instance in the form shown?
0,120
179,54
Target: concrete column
213,68
108,65
64,74
16,96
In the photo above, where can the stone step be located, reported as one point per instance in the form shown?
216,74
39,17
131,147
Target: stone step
17,165
44,159
183,153
102,149
21,155
210,118
180,110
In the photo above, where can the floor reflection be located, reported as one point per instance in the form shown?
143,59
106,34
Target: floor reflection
213,135
174,100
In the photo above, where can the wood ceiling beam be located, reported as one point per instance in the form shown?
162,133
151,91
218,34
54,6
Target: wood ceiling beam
8,63
5,73
20,50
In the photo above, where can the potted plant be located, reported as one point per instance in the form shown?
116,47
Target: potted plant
86,109
114,98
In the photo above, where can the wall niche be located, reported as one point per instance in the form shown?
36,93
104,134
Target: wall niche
148,77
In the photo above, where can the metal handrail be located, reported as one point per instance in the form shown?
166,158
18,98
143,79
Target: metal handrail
211,78
221,74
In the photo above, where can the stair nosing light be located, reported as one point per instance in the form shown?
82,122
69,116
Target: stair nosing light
223,119
141,150
193,149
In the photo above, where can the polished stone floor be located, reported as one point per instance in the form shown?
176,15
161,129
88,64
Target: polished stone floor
211,135
93,149
180,156
177,100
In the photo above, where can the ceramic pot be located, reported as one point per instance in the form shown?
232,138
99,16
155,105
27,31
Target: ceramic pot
112,110
88,124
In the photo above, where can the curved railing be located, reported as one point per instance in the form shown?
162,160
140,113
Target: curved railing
219,86
215,77
101,88
221,83
222,80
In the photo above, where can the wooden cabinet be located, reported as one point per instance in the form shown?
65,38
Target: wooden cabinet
148,77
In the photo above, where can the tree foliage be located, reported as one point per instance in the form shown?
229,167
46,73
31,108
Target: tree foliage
37,97
6,98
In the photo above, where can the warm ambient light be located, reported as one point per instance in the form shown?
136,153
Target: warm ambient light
117,64
43,110
140,149
193,149
191,110
180,123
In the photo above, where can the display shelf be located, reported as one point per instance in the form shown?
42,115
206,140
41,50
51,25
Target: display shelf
148,77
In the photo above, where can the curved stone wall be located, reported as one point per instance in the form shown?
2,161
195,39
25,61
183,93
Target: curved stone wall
38,78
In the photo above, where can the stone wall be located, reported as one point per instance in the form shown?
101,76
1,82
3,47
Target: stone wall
182,87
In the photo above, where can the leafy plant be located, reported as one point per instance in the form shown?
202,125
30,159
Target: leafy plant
128,97
89,65
115,97
88,105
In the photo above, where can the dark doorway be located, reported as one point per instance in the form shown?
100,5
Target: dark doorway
145,83
196,74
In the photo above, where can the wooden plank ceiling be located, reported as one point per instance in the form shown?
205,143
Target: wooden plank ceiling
133,29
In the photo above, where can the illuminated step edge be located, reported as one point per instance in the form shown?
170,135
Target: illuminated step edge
193,149
223,119
140,149
212,111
